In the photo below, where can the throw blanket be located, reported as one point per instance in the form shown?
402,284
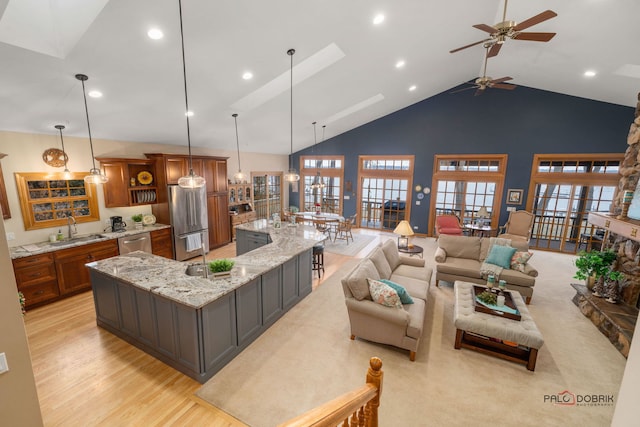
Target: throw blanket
486,268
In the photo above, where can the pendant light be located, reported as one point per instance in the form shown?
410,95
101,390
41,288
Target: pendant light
317,181
95,176
292,175
238,177
66,175
191,180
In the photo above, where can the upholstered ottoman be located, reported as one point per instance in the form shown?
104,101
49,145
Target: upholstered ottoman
485,332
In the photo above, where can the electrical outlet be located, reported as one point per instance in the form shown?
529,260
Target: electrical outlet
511,209
11,235
415,227
4,367
417,202
346,197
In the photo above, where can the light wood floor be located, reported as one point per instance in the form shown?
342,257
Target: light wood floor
86,376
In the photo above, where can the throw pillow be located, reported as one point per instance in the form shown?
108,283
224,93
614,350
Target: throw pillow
357,279
500,255
405,298
380,261
390,248
519,260
383,294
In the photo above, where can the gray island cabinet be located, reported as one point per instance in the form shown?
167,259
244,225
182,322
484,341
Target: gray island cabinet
198,325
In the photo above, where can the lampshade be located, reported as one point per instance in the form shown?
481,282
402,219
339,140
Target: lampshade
66,175
292,174
192,180
483,212
238,177
95,176
404,229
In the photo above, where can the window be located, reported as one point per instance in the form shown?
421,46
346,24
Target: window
322,177
383,193
464,184
46,201
564,189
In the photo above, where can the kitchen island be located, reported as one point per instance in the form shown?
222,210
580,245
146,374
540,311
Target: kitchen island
198,325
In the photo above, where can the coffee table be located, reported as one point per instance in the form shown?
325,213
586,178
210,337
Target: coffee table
514,340
412,250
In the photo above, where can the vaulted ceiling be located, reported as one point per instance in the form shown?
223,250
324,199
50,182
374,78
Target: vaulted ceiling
344,73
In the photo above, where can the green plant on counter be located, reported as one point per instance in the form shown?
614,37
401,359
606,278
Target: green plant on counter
136,218
221,265
488,297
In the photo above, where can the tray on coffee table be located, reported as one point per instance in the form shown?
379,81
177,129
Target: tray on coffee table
494,309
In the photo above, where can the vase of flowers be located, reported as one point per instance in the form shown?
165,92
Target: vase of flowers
318,211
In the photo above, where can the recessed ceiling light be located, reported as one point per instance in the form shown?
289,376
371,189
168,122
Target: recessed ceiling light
589,73
247,76
155,34
378,19
412,88
189,114
400,64
95,94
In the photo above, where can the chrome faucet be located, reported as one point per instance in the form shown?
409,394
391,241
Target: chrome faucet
205,267
71,220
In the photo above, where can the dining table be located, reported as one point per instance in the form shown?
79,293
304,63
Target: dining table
326,222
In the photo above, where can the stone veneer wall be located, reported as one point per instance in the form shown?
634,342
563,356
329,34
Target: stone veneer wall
628,250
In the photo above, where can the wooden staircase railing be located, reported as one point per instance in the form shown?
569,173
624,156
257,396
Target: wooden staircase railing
358,407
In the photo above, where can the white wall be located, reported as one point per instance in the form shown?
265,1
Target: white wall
24,154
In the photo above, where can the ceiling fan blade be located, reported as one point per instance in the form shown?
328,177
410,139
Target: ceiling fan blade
466,88
503,86
534,37
547,14
494,50
469,45
487,28
501,79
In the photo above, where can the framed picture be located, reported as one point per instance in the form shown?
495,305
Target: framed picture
514,197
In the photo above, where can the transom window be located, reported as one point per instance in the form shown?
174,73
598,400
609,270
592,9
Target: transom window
470,165
386,164
581,166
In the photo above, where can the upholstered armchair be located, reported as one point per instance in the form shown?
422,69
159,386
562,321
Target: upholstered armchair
448,224
518,226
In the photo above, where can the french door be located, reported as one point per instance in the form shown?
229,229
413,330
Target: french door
563,190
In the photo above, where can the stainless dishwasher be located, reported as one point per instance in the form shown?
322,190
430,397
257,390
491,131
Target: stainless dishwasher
135,242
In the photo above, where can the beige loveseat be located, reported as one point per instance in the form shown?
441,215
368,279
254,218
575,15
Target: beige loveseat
461,257
400,327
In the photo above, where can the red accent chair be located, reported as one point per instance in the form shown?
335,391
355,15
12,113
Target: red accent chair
448,224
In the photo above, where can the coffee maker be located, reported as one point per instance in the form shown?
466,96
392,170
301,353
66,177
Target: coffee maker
117,224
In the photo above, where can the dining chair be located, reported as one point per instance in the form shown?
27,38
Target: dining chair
343,231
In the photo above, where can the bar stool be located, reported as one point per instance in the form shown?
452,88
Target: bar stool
318,259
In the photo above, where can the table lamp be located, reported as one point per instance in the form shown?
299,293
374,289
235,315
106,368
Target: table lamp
404,230
483,213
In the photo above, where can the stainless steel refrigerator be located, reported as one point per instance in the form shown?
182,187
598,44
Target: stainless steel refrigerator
188,215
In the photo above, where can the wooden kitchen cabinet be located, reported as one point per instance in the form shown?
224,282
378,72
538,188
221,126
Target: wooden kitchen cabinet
218,209
36,278
72,274
161,243
124,187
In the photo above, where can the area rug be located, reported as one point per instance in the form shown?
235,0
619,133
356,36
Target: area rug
307,358
340,247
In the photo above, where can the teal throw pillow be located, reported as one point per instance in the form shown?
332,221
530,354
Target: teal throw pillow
405,298
501,255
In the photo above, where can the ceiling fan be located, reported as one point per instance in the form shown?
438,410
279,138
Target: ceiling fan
484,82
510,29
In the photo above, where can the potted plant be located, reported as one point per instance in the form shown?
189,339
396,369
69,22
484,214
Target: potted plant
137,218
595,266
221,267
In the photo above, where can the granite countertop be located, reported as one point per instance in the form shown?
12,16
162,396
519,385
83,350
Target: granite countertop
44,247
167,277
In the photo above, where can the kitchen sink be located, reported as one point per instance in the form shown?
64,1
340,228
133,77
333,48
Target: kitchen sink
78,239
195,270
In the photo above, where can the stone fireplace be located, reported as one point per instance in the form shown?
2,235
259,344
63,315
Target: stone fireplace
617,321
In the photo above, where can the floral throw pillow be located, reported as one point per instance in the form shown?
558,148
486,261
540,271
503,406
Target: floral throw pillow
383,294
519,260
